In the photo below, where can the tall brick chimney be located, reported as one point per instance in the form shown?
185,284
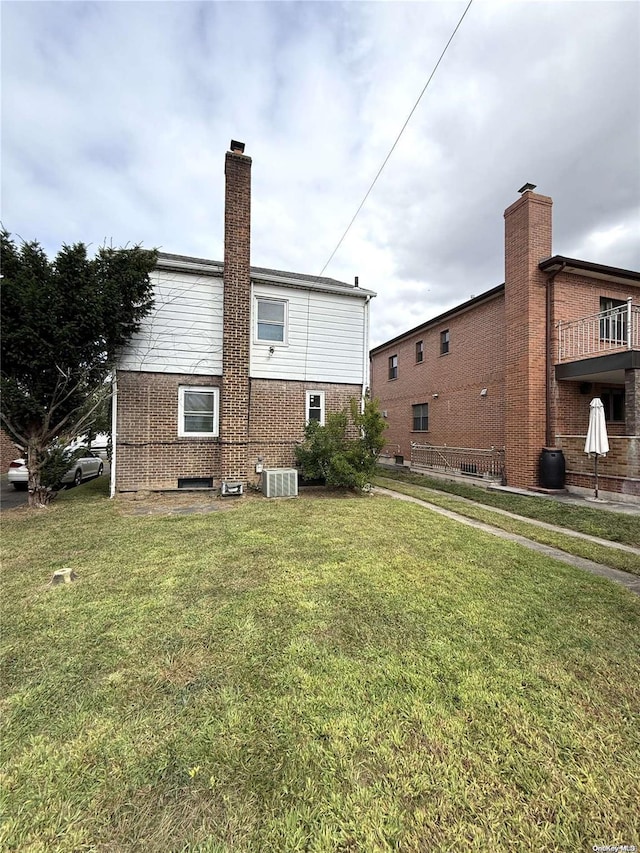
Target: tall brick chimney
234,397
528,237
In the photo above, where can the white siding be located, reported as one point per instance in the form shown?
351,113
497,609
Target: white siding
325,338
183,333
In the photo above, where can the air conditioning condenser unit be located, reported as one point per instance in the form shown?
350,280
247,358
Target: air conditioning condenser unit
280,482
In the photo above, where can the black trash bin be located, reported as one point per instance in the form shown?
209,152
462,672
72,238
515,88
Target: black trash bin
552,468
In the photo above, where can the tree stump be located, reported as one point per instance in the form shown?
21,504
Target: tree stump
63,576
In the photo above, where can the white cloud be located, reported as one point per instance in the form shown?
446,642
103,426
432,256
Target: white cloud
116,117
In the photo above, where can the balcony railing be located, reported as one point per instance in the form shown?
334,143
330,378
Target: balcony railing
475,462
608,331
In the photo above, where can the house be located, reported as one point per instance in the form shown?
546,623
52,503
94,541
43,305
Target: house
484,388
223,375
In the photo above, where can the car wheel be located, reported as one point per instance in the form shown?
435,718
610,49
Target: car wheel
77,478
100,470
20,487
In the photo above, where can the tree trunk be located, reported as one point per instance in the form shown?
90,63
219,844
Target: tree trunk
39,495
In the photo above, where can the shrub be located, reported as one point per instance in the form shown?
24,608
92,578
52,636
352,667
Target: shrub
344,451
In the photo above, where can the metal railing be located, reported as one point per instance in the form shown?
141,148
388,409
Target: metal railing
614,329
472,461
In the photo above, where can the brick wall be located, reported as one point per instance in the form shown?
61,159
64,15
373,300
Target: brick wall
459,415
527,242
8,451
150,454
618,471
277,418
234,404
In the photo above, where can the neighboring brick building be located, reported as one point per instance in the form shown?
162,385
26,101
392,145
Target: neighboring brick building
232,362
486,386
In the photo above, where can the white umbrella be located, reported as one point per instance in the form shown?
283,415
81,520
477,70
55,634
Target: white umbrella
597,442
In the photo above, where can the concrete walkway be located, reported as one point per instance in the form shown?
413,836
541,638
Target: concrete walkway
631,582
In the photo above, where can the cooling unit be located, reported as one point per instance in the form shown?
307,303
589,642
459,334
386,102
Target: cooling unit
280,483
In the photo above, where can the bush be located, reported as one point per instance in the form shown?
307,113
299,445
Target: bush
344,451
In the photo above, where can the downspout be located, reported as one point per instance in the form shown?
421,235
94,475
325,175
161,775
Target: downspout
365,354
548,438
114,444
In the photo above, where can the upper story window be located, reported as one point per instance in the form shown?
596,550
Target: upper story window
393,367
613,320
444,342
419,352
315,407
198,411
271,320
420,417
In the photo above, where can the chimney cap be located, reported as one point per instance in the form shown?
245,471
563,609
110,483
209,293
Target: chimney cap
238,147
525,188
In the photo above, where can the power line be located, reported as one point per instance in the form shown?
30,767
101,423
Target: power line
386,159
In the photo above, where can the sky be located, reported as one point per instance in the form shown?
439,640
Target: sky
116,118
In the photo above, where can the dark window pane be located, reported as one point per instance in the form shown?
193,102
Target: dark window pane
198,423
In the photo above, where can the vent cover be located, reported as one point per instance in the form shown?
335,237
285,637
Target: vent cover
280,483
230,489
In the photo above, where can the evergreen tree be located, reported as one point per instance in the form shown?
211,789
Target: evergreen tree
63,322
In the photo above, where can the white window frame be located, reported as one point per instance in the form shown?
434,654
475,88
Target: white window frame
307,406
209,389
263,341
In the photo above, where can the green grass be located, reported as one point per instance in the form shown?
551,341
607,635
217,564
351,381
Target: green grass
613,557
615,526
309,675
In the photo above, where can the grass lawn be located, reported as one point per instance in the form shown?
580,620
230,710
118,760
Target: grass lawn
614,557
615,526
321,674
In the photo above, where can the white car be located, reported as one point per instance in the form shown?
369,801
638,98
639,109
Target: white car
86,466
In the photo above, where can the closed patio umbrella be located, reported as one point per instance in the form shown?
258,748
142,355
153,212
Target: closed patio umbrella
597,442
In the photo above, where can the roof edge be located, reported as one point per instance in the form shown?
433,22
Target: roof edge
560,263
434,321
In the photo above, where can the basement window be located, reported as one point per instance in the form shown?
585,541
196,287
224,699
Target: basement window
198,411
195,482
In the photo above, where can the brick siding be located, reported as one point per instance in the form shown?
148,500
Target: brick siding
151,455
459,415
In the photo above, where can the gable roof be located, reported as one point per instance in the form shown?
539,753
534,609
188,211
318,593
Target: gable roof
281,278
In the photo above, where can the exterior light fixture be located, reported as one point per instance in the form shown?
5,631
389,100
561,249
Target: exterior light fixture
435,396
484,392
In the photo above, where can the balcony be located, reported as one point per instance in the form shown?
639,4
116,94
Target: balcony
600,348
612,331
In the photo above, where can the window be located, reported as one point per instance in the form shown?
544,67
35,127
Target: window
420,417
444,342
198,411
613,320
393,367
419,352
315,407
271,320
613,400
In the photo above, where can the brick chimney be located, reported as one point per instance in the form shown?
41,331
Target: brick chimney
528,236
234,397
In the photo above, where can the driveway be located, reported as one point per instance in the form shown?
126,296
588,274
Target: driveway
9,498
